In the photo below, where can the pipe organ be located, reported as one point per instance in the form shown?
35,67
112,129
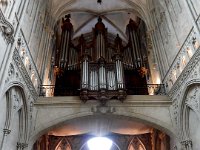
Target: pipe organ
65,42
97,70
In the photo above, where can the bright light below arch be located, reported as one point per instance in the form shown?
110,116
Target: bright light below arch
99,143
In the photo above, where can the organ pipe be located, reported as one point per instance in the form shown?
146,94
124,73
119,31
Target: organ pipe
65,41
134,44
85,66
118,63
102,74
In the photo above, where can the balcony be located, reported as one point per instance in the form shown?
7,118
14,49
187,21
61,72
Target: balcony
149,89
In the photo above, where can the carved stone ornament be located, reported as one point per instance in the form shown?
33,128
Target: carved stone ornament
11,70
185,74
103,110
187,144
193,101
6,131
6,28
21,145
24,73
17,103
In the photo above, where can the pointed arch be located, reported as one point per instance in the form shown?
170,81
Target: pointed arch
16,110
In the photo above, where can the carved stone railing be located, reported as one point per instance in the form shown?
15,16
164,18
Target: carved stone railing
19,63
28,61
6,28
186,52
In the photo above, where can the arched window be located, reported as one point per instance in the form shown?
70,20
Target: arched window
131,147
63,145
136,144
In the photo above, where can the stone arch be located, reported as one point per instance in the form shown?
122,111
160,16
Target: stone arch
186,105
155,123
16,110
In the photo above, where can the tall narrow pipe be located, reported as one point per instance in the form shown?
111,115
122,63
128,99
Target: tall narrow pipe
65,40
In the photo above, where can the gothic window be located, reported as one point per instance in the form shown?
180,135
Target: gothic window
136,144
63,145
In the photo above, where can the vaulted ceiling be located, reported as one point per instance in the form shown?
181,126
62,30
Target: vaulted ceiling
101,125
115,14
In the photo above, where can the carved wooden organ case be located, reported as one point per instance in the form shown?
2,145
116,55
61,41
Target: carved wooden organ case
100,68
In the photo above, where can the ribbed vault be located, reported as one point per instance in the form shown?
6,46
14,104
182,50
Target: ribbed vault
115,14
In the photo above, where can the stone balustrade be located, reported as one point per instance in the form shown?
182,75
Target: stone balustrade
28,61
186,52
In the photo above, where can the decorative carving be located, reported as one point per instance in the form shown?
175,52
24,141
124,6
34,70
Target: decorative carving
16,102
103,95
103,109
31,106
187,144
6,131
185,60
185,74
24,73
6,28
175,109
27,59
21,145
192,100
11,70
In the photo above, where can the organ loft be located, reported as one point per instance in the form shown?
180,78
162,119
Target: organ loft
101,66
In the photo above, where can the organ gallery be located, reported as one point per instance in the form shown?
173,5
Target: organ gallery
99,65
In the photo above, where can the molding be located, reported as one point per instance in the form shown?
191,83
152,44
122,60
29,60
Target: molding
6,28
131,101
24,73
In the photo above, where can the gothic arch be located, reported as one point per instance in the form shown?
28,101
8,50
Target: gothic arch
135,143
63,142
16,110
155,123
187,103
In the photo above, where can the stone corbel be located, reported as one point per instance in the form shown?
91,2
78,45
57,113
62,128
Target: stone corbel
187,144
6,28
6,131
21,146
